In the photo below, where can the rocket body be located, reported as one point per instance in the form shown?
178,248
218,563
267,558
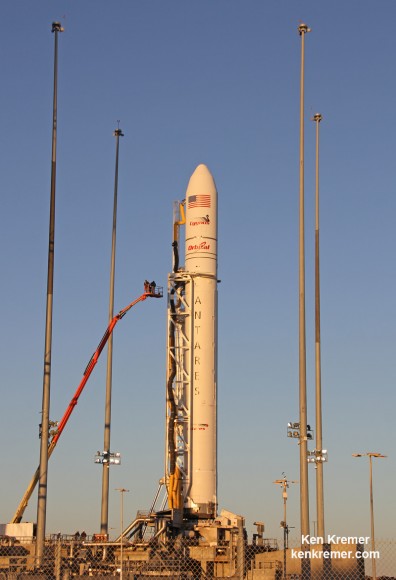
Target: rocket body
192,353
201,264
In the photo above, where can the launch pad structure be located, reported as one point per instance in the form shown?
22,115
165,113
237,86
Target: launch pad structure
182,529
182,535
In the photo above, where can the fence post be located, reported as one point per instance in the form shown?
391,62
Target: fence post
58,559
241,547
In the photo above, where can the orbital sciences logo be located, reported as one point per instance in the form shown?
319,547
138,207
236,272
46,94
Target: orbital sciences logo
199,247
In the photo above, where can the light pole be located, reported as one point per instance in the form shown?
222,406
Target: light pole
104,518
285,484
370,456
304,498
122,490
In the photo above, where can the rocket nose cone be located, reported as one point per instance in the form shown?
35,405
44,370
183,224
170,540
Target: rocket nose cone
202,168
201,222
201,180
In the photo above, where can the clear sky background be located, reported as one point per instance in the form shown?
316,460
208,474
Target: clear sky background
215,82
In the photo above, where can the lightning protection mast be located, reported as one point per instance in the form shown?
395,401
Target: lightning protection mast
104,520
45,423
318,372
304,498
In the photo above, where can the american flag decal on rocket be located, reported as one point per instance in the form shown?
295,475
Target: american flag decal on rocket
198,201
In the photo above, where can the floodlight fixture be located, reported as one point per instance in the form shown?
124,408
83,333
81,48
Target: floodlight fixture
294,431
107,458
317,456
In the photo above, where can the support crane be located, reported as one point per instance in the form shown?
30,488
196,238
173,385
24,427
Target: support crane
150,290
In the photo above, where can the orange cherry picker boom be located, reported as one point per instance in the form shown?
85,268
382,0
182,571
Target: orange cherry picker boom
150,290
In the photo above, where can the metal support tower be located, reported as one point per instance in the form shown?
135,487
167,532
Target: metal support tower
179,395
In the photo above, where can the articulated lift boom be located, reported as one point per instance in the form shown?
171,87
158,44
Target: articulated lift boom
150,290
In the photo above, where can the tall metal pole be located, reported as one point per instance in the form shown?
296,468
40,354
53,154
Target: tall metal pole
304,505
122,490
370,456
285,484
43,470
318,387
104,519
373,563
304,498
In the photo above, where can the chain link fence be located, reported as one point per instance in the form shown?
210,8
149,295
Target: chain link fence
67,557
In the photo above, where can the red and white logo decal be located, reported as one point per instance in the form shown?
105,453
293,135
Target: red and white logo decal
201,246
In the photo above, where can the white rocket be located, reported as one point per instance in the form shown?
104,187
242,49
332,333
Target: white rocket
191,431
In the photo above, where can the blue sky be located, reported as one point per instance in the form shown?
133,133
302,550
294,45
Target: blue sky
215,82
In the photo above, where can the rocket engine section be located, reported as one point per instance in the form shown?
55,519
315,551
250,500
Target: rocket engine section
191,441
